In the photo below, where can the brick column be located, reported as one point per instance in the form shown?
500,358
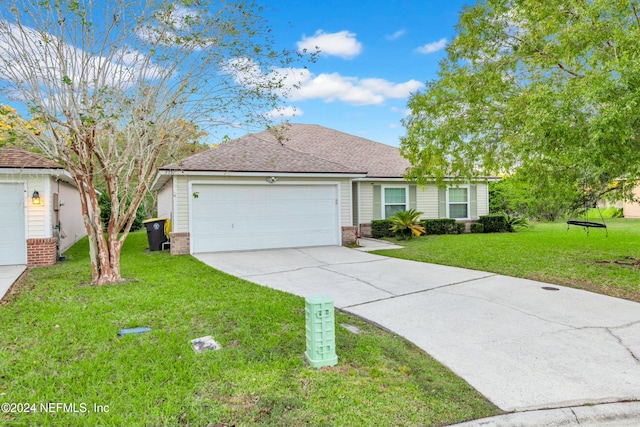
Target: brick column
349,236
180,243
41,252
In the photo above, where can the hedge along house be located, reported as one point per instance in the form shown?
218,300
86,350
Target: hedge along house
40,213
304,185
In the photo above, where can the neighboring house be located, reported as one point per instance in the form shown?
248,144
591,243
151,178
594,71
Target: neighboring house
40,214
315,186
632,209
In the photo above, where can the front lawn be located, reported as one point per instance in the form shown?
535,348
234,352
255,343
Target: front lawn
545,252
59,353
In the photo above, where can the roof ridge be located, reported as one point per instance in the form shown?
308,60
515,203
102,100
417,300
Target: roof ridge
315,155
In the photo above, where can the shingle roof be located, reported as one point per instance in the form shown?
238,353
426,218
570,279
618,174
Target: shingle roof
377,159
258,153
21,159
302,148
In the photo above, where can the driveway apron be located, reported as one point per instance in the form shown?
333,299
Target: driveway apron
525,345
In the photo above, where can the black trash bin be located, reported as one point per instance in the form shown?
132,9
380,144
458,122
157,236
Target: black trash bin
155,233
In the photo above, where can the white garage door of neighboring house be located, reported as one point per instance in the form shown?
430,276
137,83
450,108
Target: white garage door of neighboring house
12,226
245,217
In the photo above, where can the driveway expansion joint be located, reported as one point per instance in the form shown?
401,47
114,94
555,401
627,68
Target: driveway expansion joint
414,292
359,280
527,313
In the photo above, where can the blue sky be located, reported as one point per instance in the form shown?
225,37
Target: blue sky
374,53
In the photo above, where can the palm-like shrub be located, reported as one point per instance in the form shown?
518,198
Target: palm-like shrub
514,221
405,224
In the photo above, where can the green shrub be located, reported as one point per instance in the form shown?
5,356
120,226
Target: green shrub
105,212
477,227
462,227
514,221
381,228
494,223
405,224
442,226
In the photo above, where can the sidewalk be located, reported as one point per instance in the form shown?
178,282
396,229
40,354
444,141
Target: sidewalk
8,275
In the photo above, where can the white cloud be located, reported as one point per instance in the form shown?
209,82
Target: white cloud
301,84
41,57
396,35
351,90
179,17
433,47
282,112
342,44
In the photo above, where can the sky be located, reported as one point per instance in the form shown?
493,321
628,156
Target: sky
374,54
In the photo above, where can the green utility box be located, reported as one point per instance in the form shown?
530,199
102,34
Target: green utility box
321,332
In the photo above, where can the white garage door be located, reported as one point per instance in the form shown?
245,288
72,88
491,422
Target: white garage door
12,233
245,217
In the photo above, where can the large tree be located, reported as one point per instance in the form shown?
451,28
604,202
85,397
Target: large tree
549,86
119,84
12,125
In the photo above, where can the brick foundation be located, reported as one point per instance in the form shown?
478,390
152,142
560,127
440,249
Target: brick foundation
349,235
467,223
180,243
41,252
365,230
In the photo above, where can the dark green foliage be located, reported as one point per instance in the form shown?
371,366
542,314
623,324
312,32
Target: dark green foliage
494,223
442,226
477,227
105,212
531,193
514,221
381,228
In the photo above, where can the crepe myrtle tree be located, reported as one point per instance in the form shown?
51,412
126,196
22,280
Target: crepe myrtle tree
552,86
119,84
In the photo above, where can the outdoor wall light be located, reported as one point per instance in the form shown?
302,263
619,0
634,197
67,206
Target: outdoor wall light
35,198
272,179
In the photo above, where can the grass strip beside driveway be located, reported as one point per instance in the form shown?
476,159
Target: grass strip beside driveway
547,252
58,347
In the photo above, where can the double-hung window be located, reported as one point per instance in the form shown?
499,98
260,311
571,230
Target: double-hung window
394,200
459,203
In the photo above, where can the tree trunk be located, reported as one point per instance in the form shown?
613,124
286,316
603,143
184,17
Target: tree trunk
104,251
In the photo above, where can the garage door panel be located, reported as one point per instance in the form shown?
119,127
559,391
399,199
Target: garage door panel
12,224
242,217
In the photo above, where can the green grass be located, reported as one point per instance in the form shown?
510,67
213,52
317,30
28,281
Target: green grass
545,252
59,345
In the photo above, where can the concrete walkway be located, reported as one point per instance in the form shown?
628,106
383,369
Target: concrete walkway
8,275
525,345
366,244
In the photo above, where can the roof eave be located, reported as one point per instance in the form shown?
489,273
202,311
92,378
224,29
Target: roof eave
165,174
401,178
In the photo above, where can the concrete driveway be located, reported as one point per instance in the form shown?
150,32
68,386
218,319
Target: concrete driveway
523,346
